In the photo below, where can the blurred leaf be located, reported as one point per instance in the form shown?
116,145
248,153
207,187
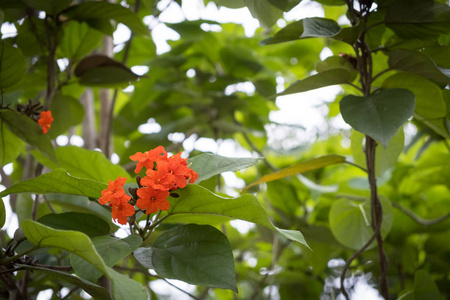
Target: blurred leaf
111,249
2,214
10,146
12,65
231,3
79,40
264,11
379,115
196,254
51,7
88,224
57,181
200,202
424,288
208,165
67,112
350,221
313,164
29,131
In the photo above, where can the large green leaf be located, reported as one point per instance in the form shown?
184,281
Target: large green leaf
196,254
313,164
88,224
79,244
67,112
322,79
197,202
385,158
417,63
264,11
305,28
350,221
57,181
79,40
12,65
424,288
83,163
89,12
10,146
96,291
51,7
380,115
111,249
29,131
208,165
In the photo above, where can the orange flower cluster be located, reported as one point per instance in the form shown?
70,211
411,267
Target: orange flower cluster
45,120
163,175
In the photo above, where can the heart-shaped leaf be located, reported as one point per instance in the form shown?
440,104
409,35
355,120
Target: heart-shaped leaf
380,115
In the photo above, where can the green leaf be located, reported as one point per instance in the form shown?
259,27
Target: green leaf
89,12
313,164
2,214
264,11
208,165
79,244
196,254
325,78
417,63
83,163
57,181
29,131
350,221
79,40
231,3
197,202
96,291
384,158
305,28
12,65
88,224
51,7
380,115
429,101
424,286
111,249
67,112
10,146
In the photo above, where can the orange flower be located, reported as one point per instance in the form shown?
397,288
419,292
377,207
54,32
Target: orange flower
152,200
147,159
193,176
159,179
114,191
121,209
45,120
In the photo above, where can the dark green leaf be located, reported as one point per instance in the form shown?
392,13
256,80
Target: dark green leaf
111,249
424,288
325,78
67,112
350,221
379,115
196,254
108,76
231,3
51,7
10,146
2,214
96,291
88,224
89,12
29,131
305,28
208,165
57,181
12,65
264,11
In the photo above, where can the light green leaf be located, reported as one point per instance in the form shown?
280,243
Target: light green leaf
380,115
2,214
12,65
196,201
51,7
125,288
231,3
67,112
57,181
384,158
313,164
10,146
96,291
79,39
322,79
111,249
208,165
88,224
29,131
83,163
196,254
350,221
264,11
424,286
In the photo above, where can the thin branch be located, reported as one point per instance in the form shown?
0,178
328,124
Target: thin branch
50,206
355,165
418,219
178,288
379,74
355,86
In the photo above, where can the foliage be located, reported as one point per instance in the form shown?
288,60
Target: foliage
370,201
